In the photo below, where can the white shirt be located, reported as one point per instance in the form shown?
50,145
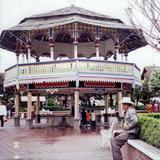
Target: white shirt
93,116
3,110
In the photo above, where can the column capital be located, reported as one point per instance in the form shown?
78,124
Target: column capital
120,90
29,45
117,46
51,42
75,42
97,42
17,92
97,45
76,89
17,53
125,54
115,57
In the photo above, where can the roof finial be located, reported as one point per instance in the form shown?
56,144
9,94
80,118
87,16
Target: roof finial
72,2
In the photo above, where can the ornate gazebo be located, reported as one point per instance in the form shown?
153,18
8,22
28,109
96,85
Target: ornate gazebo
95,48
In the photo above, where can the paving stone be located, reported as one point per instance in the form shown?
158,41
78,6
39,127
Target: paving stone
50,144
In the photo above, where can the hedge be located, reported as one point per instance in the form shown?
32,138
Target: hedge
150,128
140,107
56,108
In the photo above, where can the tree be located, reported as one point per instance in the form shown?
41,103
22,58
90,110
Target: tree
145,94
154,81
145,16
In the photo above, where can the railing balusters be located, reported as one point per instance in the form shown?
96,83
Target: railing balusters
69,67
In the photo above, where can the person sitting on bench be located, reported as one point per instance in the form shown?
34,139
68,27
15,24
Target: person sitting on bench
130,129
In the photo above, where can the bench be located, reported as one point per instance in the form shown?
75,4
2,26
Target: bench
139,150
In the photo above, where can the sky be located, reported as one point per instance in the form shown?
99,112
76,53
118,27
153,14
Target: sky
13,11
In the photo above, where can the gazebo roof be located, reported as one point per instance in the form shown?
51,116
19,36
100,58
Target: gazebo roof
72,10
69,15
64,20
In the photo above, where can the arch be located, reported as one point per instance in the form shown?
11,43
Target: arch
63,37
62,56
86,37
40,36
108,55
104,37
45,54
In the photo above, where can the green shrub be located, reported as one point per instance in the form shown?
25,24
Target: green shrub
150,128
22,109
114,106
55,108
154,115
140,107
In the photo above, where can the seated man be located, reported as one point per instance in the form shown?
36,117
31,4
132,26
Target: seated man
130,129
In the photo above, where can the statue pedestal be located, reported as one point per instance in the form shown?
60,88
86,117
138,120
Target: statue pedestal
50,121
17,121
29,123
76,124
38,118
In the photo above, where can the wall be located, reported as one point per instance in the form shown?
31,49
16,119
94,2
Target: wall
131,153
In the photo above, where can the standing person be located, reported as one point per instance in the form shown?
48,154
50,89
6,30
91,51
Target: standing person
153,105
88,117
94,104
93,119
149,107
9,112
159,107
130,130
156,104
83,117
3,113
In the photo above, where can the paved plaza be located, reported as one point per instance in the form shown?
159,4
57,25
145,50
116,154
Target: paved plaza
50,144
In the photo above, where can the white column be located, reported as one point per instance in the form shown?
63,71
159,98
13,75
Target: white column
52,53
117,53
120,108
126,58
97,47
126,53
106,97
51,45
97,52
29,54
23,57
29,105
17,98
75,43
122,56
76,104
116,47
17,56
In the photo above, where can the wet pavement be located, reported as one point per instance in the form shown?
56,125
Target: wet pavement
50,144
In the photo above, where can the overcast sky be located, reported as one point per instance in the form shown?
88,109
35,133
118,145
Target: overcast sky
13,11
